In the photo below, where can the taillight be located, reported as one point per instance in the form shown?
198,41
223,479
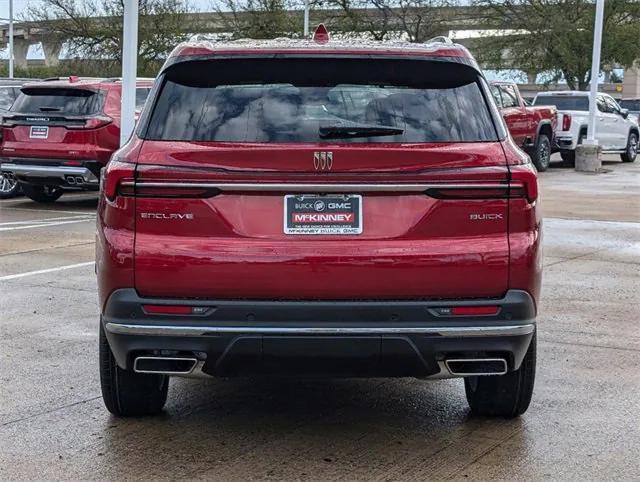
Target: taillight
566,122
93,122
115,176
524,182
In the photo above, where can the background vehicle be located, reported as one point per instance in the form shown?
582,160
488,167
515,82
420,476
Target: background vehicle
633,106
9,90
60,133
616,131
532,128
326,210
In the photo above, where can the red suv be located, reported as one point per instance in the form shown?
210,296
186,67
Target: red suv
59,134
319,209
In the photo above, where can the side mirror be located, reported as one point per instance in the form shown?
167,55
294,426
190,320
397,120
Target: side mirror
624,113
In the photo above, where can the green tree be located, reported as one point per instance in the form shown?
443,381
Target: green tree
92,29
557,36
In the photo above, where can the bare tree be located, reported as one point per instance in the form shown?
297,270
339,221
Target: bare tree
416,20
93,28
258,19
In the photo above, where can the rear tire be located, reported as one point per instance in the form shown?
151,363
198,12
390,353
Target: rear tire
568,156
504,395
632,148
9,186
42,194
542,154
126,393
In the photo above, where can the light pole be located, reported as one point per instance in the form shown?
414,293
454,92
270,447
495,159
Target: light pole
306,18
595,72
129,69
11,39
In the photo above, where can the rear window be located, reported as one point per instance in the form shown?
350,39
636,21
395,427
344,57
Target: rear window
630,104
564,102
62,101
296,100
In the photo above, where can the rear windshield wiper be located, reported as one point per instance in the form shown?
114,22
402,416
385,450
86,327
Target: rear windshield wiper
348,131
50,109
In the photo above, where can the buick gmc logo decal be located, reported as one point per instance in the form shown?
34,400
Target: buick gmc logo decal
323,160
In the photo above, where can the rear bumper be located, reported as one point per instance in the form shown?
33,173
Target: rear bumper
66,176
565,143
363,338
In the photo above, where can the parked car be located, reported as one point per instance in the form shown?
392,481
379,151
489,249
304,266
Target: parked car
632,105
532,128
616,131
319,209
60,133
9,90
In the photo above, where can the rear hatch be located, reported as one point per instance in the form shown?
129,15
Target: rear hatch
321,178
55,123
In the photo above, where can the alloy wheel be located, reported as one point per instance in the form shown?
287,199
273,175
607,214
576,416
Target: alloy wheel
8,183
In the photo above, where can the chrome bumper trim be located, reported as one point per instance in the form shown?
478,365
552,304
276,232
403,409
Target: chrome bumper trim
448,331
61,172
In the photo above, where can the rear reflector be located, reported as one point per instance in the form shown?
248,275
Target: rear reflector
167,309
474,310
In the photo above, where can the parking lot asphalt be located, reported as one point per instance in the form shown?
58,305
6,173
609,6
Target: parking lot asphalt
583,422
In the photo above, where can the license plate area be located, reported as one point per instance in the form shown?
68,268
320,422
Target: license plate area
314,214
39,132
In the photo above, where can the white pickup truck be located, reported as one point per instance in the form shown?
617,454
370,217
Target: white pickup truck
616,131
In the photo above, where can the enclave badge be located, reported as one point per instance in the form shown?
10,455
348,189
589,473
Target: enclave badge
187,216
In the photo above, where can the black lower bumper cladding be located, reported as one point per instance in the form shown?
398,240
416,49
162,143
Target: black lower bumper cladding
333,338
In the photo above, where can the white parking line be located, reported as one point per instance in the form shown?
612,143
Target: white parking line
48,220
43,271
45,225
35,210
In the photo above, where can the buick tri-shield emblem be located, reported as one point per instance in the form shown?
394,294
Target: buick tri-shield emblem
323,160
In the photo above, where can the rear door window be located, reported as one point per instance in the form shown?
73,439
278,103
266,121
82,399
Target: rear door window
61,101
296,100
630,104
509,96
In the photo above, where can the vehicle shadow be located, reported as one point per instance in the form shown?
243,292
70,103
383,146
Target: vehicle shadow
68,202
297,428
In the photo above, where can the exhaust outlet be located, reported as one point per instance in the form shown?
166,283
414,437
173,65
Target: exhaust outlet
164,365
71,180
79,180
476,366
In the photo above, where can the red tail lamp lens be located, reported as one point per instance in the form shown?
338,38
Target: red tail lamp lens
115,173
167,309
474,310
566,122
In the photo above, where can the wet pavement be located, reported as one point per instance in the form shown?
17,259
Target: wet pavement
583,422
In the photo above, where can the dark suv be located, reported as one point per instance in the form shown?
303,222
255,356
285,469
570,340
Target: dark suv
59,134
297,208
